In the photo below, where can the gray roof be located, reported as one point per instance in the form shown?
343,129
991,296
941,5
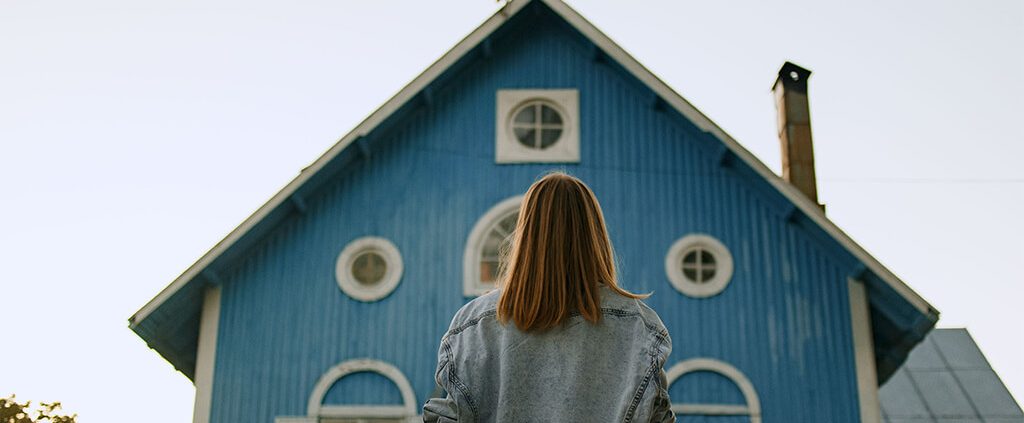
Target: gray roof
947,379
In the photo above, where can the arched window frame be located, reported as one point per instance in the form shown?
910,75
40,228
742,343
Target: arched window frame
315,410
471,284
752,407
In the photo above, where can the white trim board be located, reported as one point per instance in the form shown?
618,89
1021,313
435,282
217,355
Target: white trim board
206,354
676,101
864,353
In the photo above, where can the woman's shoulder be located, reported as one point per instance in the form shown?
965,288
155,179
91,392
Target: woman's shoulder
476,309
615,301
651,318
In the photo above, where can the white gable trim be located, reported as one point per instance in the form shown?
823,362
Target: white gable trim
864,353
206,354
616,53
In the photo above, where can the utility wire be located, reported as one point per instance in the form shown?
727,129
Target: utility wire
975,181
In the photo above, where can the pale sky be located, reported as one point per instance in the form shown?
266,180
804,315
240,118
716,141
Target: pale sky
135,135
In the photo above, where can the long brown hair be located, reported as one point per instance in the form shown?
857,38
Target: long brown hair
560,255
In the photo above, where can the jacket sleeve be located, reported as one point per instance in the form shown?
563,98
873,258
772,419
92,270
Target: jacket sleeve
446,409
441,410
662,404
662,412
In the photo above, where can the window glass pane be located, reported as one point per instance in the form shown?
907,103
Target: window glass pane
526,136
707,274
503,249
492,243
488,270
691,274
690,258
527,114
508,223
368,268
549,115
706,257
549,137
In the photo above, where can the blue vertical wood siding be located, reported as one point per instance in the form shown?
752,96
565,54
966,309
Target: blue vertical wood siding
424,180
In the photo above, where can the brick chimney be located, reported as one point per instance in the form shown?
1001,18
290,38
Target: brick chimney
795,129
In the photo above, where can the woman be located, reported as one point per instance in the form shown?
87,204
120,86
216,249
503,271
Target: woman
559,341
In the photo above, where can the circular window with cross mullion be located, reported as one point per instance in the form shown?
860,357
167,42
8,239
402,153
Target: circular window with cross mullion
698,265
537,124
368,268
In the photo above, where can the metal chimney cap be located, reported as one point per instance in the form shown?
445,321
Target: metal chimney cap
793,77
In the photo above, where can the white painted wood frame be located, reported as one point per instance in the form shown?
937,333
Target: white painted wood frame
703,364
206,354
864,353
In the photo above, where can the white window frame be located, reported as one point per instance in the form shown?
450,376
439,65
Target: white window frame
316,410
507,148
723,266
471,285
392,275
752,407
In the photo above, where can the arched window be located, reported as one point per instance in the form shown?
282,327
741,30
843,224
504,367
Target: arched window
319,412
696,367
489,236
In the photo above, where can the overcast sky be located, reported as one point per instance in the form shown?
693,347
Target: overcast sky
135,135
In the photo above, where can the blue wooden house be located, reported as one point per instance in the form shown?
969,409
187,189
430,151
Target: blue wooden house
328,303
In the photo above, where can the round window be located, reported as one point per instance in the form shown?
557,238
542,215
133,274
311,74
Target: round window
369,268
698,265
537,124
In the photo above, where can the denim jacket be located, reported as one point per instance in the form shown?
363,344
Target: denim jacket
612,371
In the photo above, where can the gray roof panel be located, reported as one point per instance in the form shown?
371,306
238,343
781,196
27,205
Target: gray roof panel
925,356
899,398
987,392
942,394
947,379
959,349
